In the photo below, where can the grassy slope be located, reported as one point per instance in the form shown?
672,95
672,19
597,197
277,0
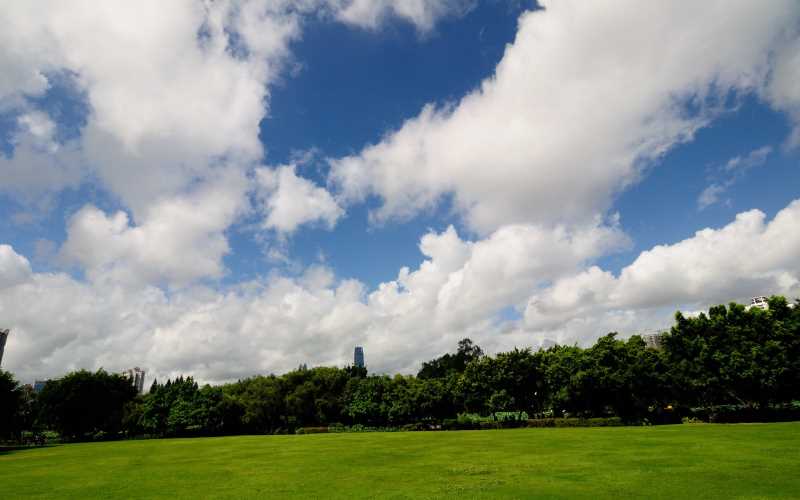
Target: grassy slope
708,461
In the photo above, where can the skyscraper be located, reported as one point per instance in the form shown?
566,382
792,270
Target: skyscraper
3,337
358,357
136,375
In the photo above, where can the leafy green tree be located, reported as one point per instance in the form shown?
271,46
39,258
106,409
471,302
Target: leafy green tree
83,404
263,401
11,406
451,363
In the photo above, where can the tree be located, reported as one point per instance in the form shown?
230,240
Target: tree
83,404
448,363
11,406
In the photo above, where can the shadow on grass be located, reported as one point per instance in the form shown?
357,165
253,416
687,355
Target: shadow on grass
6,449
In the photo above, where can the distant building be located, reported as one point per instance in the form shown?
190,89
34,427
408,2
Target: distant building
358,357
136,376
3,337
654,340
759,302
39,385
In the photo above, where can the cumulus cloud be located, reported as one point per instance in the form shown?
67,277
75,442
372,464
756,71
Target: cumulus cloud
14,268
289,201
747,257
40,166
277,322
586,96
176,241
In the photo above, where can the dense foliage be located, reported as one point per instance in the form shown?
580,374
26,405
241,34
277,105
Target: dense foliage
731,357
84,404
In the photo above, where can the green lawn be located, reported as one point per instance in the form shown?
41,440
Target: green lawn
682,461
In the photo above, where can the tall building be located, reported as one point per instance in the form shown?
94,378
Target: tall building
654,340
358,357
136,376
38,385
3,337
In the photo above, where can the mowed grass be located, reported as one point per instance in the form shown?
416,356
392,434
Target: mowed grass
683,461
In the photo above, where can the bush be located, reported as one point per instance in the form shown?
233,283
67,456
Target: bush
575,422
454,424
510,416
540,422
733,414
311,430
418,426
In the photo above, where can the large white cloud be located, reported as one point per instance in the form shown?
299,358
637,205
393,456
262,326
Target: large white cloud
461,289
587,95
277,322
744,258
179,238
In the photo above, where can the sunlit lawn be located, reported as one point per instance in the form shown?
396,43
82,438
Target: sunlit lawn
698,461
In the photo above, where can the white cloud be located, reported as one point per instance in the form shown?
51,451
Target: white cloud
422,13
783,91
289,201
14,268
754,158
587,95
710,195
40,166
177,240
734,169
745,258
277,322
175,93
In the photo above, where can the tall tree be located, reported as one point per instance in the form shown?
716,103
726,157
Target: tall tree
83,403
11,406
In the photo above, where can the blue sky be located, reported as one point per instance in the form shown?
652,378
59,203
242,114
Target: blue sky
298,180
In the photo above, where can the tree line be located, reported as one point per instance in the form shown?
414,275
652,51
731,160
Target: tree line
729,359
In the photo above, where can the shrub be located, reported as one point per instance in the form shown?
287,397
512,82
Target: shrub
418,426
540,422
311,430
575,422
454,424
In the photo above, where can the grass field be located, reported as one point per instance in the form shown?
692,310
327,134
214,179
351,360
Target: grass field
683,461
